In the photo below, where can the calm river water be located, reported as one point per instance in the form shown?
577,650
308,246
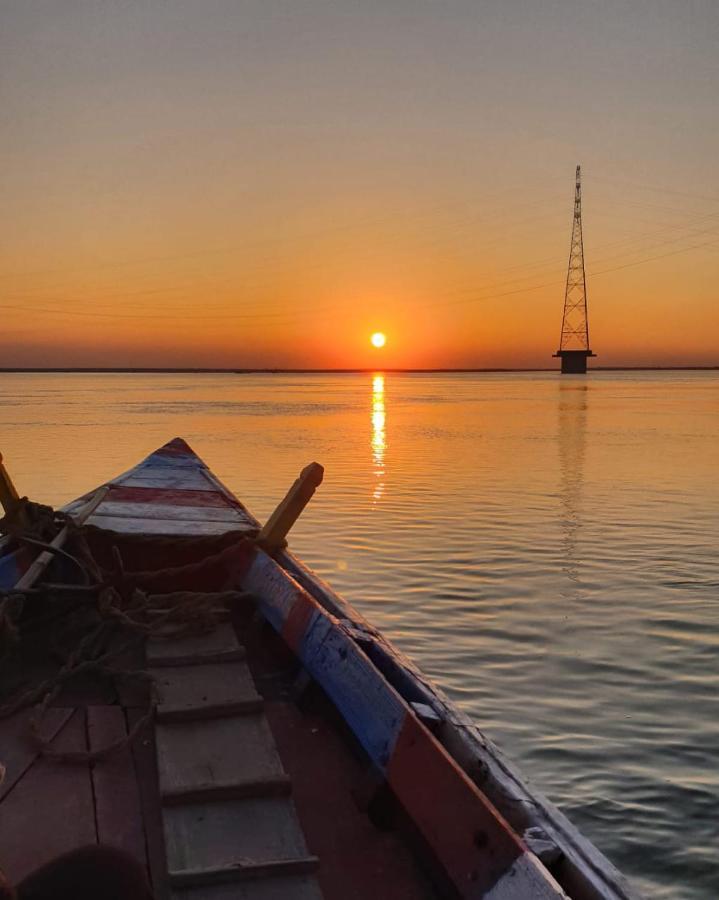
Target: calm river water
544,547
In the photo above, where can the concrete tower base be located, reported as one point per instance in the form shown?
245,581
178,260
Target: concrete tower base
574,362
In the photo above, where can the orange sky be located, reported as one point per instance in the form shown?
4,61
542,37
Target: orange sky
259,184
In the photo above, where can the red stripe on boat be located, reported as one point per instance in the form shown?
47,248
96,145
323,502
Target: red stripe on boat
176,447
472,841
170,496
298,618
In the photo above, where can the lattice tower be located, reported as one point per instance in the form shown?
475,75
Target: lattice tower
575,325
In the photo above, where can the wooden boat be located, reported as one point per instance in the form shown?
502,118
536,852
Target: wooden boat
285,748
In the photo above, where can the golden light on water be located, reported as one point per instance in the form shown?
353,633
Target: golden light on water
379,436
378,339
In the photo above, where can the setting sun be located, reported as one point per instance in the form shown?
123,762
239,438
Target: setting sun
378,339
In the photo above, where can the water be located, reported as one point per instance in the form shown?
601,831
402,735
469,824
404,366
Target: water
544,547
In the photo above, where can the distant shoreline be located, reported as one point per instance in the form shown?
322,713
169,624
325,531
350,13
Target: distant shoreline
208,371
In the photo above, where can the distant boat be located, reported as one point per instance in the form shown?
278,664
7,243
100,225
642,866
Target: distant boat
285,749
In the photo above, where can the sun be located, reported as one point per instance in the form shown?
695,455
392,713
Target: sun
378,339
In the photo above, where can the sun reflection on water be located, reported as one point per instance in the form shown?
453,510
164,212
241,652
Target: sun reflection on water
379,435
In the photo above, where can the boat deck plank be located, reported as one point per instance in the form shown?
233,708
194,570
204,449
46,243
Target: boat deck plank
219,645
189,692
117,800
52,802
18,753
143,755
227,816
236,752
232,834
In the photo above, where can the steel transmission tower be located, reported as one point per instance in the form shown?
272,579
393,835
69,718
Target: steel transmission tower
574,339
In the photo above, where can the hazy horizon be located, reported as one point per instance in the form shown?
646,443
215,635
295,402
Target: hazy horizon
262,185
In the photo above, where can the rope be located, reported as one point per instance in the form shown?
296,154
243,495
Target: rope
28,519
117,601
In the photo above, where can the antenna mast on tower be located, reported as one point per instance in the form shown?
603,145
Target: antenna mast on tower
574,339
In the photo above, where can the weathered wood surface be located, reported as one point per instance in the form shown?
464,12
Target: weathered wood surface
232,834
219,645
220,755
168,527
291,887
208,691
165,477
143,754
118,810
274,533
209,497
17,752
166,511
50,809
226,811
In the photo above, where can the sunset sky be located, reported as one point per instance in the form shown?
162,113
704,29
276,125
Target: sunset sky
260,183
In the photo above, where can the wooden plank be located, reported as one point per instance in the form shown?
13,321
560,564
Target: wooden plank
249,869
117,798
143,754
176,461
164,526
50,810
165,477
221,754
17,752
169,511
219,645
464,830
290,887
190,692
232,833
210,498
274,534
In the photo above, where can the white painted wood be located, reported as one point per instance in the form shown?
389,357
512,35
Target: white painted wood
216,484
126,510
188,479
165,526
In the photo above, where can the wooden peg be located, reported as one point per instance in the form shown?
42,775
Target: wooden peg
274,534
9,497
